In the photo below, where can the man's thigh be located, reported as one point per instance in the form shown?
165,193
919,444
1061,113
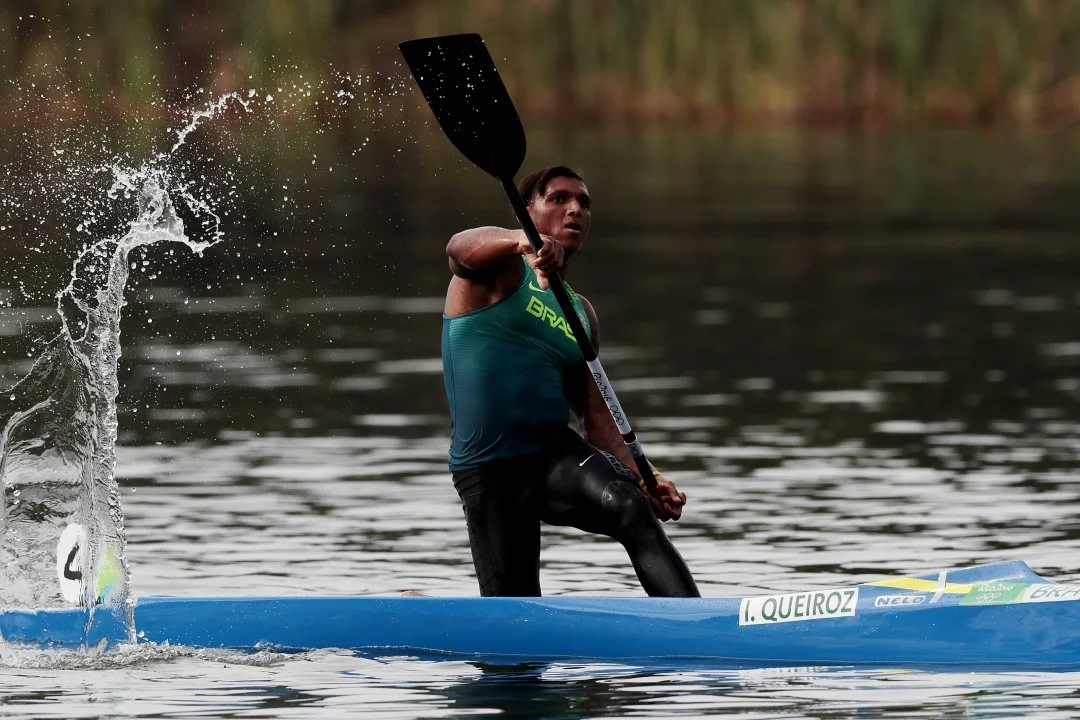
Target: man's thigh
504,530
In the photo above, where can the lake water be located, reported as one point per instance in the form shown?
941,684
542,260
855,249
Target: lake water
858,356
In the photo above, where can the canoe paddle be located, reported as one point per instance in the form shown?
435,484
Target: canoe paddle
462,87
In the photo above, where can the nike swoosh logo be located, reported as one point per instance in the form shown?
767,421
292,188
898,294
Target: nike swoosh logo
533,287
582,463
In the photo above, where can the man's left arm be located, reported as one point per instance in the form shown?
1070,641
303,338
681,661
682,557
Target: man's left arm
601,431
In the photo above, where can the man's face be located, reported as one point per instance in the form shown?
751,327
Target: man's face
563,211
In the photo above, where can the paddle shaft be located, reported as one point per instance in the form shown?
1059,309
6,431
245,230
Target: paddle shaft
607,392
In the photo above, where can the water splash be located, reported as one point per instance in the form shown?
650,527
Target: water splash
206,113
138,656
61,526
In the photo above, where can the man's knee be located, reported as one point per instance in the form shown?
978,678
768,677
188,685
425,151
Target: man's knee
628,509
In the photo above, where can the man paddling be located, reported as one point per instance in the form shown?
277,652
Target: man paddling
513,376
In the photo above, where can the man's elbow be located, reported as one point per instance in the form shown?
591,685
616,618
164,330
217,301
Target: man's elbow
455,253
462,271
461,268
453,248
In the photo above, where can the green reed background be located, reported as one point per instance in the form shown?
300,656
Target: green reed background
794,62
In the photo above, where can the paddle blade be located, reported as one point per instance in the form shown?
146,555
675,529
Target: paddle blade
463,89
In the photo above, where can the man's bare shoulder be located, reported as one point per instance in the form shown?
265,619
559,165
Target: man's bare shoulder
472,291
594,323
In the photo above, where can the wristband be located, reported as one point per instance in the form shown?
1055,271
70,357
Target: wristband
641,481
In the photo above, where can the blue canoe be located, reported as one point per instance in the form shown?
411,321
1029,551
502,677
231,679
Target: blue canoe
999,615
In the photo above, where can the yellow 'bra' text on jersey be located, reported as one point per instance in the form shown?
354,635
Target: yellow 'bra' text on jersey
542,312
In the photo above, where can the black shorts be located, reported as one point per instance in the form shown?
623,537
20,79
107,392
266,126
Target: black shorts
569,483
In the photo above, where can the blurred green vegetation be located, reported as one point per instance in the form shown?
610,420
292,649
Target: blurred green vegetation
862,63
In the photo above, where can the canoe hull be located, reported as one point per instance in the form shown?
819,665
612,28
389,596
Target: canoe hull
1000,615
629,630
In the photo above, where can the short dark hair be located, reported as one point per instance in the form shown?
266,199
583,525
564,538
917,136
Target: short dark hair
535,184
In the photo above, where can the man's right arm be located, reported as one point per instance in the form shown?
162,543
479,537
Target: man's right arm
483,250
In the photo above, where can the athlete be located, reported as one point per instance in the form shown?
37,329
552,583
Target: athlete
515,379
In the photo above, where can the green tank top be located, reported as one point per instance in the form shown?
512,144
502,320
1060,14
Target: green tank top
504,368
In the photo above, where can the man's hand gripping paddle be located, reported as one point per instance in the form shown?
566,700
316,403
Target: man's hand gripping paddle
463,89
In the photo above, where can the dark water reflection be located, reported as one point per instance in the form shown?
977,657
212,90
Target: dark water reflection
858,356
330,684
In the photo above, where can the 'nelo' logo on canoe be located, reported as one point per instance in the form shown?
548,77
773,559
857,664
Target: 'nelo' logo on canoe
816,605
898,600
